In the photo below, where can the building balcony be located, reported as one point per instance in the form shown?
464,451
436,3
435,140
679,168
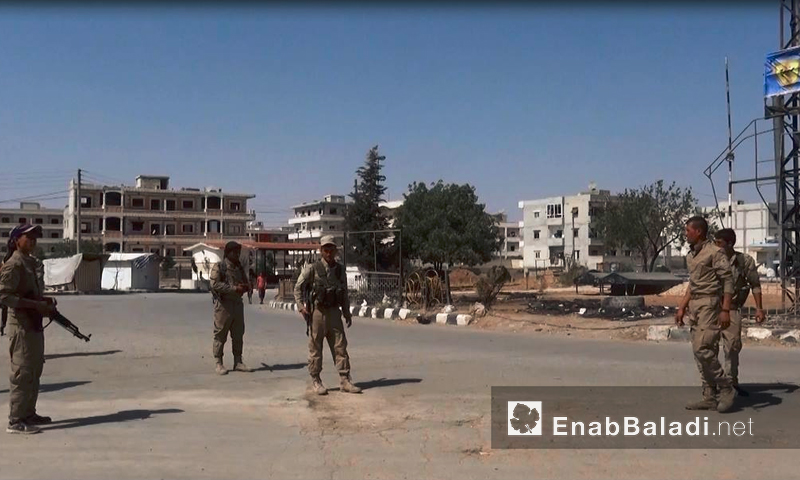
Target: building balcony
170,214
316,218
555,242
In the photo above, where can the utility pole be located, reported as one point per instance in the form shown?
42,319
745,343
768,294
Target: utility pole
78,216
730,148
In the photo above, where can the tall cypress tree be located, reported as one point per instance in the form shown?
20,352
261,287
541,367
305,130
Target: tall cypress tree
364,214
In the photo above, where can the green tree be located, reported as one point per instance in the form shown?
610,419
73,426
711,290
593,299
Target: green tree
68,248
364,213
445,224
646,220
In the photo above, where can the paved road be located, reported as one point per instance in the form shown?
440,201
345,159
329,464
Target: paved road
141,401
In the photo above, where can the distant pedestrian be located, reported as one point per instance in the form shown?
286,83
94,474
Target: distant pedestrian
228,284
21,291
709,301
329,303
745,278
261,284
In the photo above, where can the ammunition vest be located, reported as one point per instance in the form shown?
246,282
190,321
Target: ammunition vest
328,288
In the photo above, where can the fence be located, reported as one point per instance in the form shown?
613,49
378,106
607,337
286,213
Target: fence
376,288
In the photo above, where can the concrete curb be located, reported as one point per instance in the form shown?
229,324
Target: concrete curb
661,333
387,313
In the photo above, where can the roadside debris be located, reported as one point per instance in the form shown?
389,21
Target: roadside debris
593,309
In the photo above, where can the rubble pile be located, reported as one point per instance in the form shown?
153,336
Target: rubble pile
593,309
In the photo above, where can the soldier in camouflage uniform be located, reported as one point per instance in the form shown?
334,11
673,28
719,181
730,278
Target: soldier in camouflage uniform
709,301
329,302
745,279
228,284
21,292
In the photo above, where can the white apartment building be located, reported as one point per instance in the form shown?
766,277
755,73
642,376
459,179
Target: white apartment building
557,229
511,233
319,217
756,231
50,219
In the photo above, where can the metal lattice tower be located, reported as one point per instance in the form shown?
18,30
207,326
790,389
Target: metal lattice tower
784,111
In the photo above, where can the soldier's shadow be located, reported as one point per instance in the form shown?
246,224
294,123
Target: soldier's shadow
280,366
121,416
761,395
381,382
55,387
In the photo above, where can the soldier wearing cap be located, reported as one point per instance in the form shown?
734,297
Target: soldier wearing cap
329,303
21,292
228,284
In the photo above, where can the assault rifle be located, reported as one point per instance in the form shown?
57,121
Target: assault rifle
69,326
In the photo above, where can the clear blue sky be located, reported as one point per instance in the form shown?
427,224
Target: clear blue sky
522,102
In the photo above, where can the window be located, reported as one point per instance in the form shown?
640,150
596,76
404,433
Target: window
628,253
577,254
137,250
537,254
86,202
170,229
536,233
187,228
155,229
5,220
235,229
137,203
594,252
38,221
536,214
236,206
574,211
332,227
513,248
512,233
53,234
157,251
554,210
333,211
55,221
85,227
170,205
187,205
5,234
575,232
155,204
170,252
23,220
137,226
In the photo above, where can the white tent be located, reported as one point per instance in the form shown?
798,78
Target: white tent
131,271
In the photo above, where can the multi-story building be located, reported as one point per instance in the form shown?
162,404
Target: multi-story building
559,229
319,217
755,228
151,217
51,220
511,234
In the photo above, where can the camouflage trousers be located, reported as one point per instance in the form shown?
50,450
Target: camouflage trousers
706,334
26,348
326,324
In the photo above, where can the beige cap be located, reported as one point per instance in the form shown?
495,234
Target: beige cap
327,240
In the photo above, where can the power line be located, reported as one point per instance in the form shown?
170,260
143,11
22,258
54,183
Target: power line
43,196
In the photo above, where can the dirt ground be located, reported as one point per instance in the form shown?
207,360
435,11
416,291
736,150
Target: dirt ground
509,313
